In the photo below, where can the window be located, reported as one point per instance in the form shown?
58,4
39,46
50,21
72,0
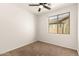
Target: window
59,24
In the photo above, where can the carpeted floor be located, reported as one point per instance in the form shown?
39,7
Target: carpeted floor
41,49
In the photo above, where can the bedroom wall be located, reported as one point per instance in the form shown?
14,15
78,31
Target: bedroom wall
78,30
64,40
17,27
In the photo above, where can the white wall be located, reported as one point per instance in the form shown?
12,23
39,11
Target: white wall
17,27
78,29
65,40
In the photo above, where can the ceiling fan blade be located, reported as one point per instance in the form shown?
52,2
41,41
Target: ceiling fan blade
45,3
46,7
42,3
33,4
39,9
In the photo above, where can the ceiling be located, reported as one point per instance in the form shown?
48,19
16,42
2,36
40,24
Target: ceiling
53,6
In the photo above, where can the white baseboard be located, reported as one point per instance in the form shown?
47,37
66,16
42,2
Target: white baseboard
57,44
16,47
78,52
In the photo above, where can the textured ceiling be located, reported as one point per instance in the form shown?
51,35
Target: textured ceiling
53,6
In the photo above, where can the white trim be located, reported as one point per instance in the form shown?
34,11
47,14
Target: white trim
78,52
17,47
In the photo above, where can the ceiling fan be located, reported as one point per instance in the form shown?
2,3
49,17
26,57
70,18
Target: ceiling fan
40,5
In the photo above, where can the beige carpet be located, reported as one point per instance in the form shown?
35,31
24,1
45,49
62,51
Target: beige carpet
41,49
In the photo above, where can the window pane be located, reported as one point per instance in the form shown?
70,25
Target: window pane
60,28
53,28
59,24
65,20
53,19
